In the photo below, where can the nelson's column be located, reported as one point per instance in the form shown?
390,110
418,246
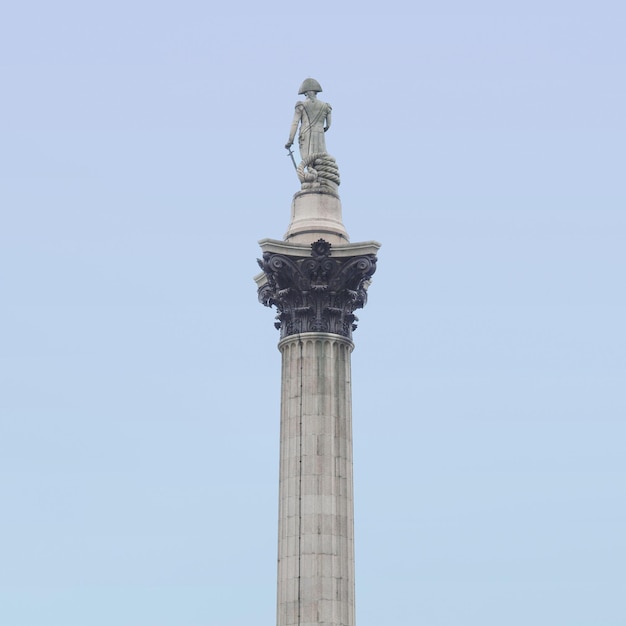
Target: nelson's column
316,279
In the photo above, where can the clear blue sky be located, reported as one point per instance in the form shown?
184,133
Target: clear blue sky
141,158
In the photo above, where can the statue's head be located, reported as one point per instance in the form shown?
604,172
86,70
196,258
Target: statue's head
310,84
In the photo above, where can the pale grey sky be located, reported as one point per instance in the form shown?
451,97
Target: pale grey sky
141,158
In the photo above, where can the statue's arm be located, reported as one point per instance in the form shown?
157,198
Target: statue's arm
294,126
329,119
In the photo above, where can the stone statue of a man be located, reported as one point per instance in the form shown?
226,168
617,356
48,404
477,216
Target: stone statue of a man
314,117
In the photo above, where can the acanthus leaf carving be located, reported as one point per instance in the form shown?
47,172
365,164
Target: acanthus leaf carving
316,293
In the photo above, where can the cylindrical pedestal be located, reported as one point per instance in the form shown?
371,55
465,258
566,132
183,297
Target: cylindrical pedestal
316,509
315,215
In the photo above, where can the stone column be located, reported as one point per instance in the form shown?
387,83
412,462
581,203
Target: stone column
316,517
316,288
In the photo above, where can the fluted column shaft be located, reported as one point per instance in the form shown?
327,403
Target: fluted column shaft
316,509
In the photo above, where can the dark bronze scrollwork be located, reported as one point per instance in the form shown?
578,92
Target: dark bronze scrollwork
316,293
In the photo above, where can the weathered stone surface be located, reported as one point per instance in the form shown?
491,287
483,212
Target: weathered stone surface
316,215
316,518
317,170
316,280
